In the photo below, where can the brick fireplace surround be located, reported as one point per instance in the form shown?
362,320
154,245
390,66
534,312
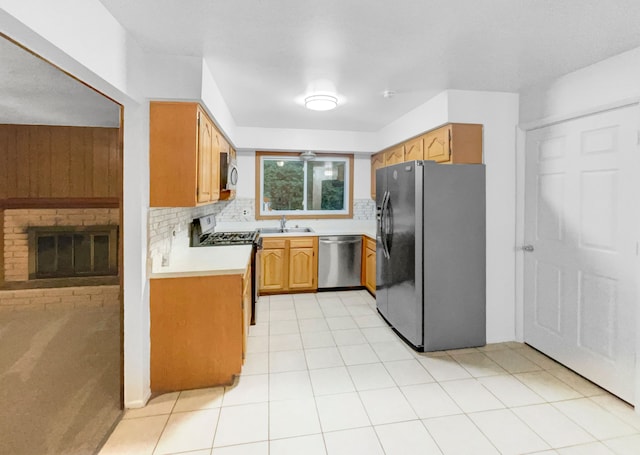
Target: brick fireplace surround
16,267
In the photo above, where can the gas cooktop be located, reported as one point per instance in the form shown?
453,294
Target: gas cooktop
228,238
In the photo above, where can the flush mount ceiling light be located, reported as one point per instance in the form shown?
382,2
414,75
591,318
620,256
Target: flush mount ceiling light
320,102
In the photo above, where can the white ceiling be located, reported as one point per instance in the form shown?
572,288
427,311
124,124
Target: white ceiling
266,55
35,92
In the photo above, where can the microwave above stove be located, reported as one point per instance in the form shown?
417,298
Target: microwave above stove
228,171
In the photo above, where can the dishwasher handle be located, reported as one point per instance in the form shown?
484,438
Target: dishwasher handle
337,242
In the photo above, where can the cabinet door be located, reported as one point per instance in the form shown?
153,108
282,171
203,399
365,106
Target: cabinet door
413,150
246,310
437,145
394,155
466,143
377,161
205,158
370,268
302,268
272,263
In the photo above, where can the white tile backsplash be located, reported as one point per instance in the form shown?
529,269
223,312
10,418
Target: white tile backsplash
164,222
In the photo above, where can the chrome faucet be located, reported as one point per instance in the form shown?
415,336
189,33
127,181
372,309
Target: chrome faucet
283,222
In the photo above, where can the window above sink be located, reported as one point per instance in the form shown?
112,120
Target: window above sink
318,188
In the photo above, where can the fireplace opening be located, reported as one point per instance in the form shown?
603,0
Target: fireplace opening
72,251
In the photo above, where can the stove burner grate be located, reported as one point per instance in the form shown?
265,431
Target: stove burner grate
228,238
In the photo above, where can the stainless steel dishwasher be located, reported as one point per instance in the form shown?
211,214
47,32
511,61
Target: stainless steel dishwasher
339,261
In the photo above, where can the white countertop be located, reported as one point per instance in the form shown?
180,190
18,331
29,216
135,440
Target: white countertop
185,261
203,261
320,227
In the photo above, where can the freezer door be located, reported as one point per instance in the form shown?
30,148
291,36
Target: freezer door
454,256
404,207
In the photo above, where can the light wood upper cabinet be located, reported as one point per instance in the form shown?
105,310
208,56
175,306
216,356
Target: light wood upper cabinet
413,150
289,264
466,143
453,143
436,145
184,155
377,161
205,160
394,155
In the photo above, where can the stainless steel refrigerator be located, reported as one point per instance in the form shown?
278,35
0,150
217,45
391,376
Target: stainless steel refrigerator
430,272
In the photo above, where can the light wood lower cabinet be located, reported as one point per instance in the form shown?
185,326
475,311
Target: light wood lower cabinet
273,265
199,327
369,264
288,264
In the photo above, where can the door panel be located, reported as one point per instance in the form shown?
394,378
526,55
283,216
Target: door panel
549,291
579,284
271,266
301,269
405,305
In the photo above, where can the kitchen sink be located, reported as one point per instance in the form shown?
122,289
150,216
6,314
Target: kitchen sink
298,229
277,230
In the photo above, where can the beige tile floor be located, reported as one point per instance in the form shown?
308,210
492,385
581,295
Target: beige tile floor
324,375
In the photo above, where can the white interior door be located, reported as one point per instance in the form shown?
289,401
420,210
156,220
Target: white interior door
580,219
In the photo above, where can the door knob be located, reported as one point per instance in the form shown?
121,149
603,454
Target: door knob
527,248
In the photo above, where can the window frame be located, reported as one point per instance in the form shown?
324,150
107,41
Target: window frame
297,214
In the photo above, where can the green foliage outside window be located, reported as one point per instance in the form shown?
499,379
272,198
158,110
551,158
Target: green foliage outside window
284,186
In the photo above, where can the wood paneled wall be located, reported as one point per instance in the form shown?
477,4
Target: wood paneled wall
59,162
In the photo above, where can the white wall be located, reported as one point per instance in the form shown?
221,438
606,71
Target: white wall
362,177
427,116
246,174
611,81
299,140
216,106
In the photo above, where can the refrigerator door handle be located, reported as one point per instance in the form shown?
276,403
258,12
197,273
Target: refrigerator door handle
381,216
384,224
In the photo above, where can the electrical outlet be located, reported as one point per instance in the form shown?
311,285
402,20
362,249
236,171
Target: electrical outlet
245,212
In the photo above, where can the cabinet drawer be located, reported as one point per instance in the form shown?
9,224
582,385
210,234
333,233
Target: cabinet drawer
271,243
301,242
369,243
